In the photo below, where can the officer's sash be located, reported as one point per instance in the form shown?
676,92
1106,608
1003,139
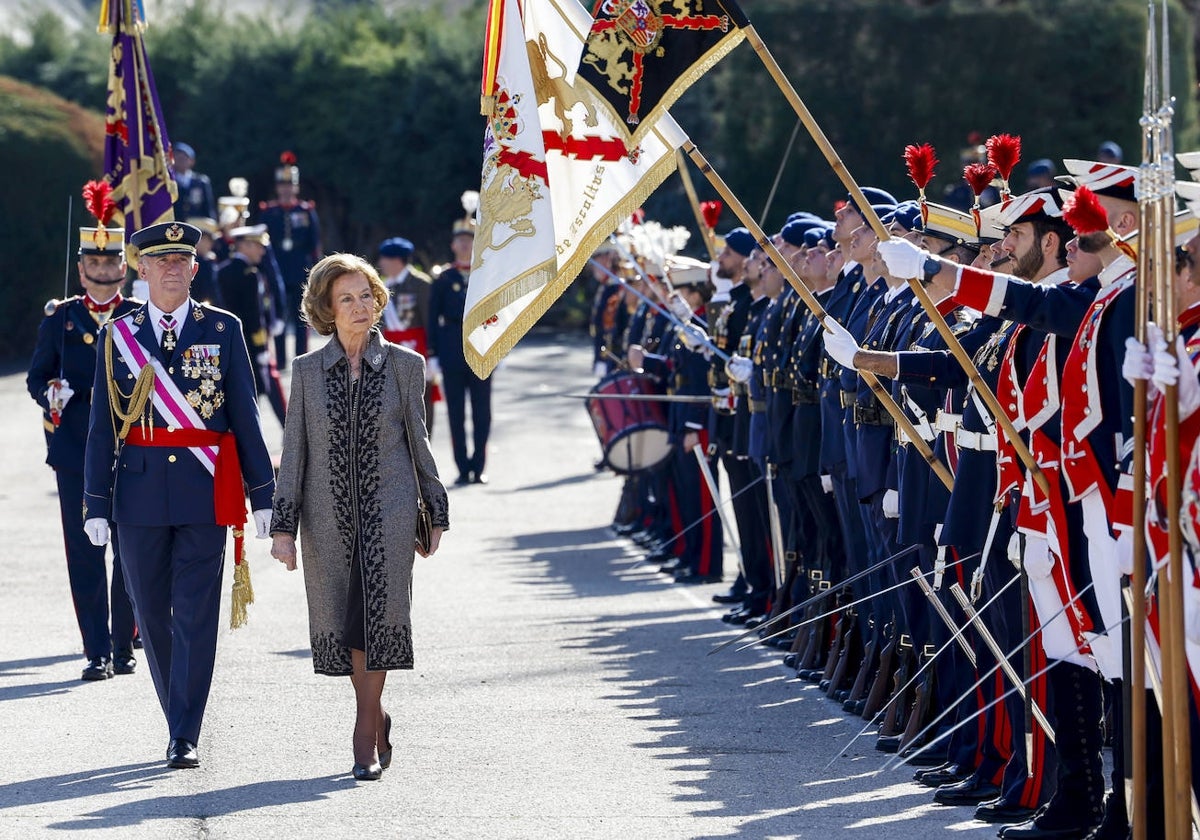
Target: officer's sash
168,399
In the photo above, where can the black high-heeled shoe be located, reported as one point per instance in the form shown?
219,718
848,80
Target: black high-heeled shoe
367,772
385,756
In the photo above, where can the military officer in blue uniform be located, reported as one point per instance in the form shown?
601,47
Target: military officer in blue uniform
195,188
447,305
173,438
296,236
59,380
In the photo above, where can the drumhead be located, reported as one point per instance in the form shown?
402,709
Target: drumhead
638,448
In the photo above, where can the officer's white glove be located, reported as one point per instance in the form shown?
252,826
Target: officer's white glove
1014,550
902,258
692,337
263,358
599,370
739,368
840,344
96,530
891,504
1039,562
1139,364
680,308
1191,614
1125,551
262,523
827,483
60,390
277,327
1167,366
433,369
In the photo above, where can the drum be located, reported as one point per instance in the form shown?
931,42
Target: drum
633,433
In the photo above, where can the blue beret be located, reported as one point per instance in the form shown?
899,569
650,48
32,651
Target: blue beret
185,148
1042,166
740,240
813,236
802,214
793,232
1111,148
829,243
397,246
876,196
908,214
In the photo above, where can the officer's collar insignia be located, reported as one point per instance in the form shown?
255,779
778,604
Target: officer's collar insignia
141,316
174,233
197,314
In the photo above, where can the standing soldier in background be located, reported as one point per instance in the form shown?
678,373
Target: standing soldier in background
65,354
296,232
195,190
204,286
241,285
406,317
447,303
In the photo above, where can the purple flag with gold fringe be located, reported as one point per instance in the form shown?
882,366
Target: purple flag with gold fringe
136,145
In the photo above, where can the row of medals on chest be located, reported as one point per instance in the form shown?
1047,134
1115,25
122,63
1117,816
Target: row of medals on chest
203,362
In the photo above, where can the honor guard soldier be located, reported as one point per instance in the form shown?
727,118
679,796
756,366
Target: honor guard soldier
59,380
205,288
195,189
447,305
243,288
296,234
406,317
175,417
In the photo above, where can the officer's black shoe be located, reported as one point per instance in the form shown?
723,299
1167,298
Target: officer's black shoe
1002,811
463,480
479,478
887,743
740,617
672,566
929,758
623,529
182,755
970,791
124,663
755,620
98,668
783,642
1039,829
730,597
642,537
137,641
945,774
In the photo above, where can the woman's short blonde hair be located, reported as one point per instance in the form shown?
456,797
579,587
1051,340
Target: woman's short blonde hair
317,305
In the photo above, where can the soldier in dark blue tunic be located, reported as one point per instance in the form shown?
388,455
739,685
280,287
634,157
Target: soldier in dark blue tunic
60,381
174,444
447,304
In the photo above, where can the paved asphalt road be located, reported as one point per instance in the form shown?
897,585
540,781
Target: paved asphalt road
561,690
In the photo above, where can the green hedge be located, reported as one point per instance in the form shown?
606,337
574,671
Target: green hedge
50,147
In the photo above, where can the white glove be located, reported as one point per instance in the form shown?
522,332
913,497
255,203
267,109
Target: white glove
277,327
739,368
680,308
1014,550
827,483
902,258
840,344
1125,551
59,390
262,522
96,530
891,504
1191,614
692,337
433,369
263,358
1166,372
599,370
1138,364
1039,562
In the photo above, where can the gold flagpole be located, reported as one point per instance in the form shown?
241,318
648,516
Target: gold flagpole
810,300
872,219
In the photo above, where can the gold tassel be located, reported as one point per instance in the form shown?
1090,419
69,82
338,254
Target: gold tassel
243,590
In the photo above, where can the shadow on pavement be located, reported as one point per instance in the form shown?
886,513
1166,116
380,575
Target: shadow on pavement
217,803
18,667
747,741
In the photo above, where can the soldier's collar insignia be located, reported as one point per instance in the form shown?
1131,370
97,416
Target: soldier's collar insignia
197,314
174,233
140,316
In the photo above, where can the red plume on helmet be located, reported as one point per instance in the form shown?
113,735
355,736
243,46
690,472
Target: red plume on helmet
288,158
921,161
97,197
978,177
1004,151
1086,215
711,212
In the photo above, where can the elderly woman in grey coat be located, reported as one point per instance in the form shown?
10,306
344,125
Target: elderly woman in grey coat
348,484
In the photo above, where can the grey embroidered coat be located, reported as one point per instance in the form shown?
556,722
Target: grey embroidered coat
346,486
